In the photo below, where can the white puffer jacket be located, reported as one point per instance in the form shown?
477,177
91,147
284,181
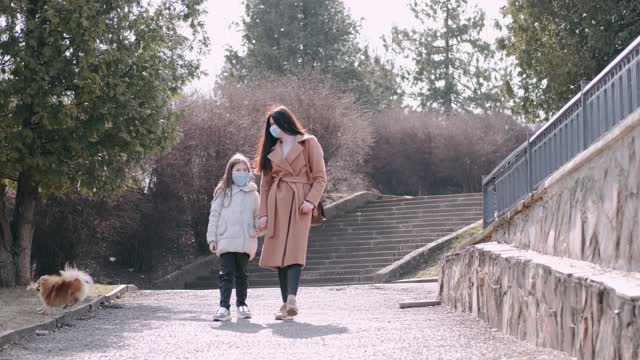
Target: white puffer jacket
233,225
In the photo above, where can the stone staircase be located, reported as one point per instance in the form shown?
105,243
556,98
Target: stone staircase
353,247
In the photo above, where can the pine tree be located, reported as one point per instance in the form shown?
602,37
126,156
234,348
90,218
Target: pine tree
450,63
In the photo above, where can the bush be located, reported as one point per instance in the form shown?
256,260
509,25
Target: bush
75,229
342,126
422,153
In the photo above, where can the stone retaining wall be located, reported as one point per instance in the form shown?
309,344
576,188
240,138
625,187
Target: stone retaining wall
590,208
569,305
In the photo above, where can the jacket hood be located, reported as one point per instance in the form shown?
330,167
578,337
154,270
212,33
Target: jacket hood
251,186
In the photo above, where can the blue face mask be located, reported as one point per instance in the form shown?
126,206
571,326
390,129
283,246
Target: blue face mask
241,178
275,131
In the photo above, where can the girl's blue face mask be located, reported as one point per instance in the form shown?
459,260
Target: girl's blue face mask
275,131
241,178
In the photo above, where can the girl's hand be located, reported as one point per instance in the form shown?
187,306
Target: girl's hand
213,247
262,223
306,207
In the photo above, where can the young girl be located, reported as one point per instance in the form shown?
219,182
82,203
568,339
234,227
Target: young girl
232,233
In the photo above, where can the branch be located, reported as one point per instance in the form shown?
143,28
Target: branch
8,177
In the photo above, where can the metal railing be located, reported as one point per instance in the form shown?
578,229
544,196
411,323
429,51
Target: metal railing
601,104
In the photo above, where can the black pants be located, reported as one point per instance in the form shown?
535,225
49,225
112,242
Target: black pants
289,278
233,266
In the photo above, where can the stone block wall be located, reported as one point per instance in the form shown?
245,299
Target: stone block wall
590,209
572,306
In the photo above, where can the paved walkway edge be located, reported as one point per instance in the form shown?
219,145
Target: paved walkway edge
11,336
416,280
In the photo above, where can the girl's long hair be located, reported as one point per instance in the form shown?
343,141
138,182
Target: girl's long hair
224,185
287,122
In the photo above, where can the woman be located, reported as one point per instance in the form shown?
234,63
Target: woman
291,163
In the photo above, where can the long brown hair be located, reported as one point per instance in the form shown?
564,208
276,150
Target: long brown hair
287,122
224,185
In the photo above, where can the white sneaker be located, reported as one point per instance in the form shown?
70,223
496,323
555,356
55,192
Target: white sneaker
222,314
292,306
244,312
282,313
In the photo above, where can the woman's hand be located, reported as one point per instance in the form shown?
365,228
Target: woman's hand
306,207
213,247
262,223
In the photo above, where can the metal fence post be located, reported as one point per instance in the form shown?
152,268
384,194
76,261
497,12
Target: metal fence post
485,194
529,163
585,125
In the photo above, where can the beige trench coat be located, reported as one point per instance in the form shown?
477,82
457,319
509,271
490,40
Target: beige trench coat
282,193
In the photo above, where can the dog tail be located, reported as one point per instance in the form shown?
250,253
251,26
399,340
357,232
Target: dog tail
71,273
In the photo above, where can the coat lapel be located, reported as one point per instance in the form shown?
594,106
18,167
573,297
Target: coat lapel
296,149
276,158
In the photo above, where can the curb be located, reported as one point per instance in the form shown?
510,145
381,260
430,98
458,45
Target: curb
416,281
419,303
11,336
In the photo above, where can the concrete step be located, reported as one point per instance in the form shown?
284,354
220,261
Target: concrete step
370,237
273,282
423,202
316,244
412,216
314,274
410,198
375,266
388,232
353,256
352,261
361,249
355,222
346,230
371,240
421,210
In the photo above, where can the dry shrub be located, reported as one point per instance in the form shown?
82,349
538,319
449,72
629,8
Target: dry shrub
423,153
182,182
62,227
402,161
469,146
340,124
87,232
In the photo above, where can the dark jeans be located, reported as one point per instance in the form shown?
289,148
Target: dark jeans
233,265
289,277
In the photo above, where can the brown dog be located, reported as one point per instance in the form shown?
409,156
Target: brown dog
62,291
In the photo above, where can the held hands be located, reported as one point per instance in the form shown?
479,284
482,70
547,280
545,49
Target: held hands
213,247
262,224
306,207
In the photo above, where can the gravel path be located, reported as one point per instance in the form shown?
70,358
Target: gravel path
354,322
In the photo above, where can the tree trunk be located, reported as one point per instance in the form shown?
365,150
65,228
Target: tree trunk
23,226
7,264
448,83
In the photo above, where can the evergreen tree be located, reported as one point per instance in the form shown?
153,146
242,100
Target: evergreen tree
450,62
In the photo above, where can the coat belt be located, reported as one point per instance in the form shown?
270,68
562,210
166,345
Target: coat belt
271,202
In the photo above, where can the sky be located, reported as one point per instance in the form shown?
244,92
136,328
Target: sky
377,17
